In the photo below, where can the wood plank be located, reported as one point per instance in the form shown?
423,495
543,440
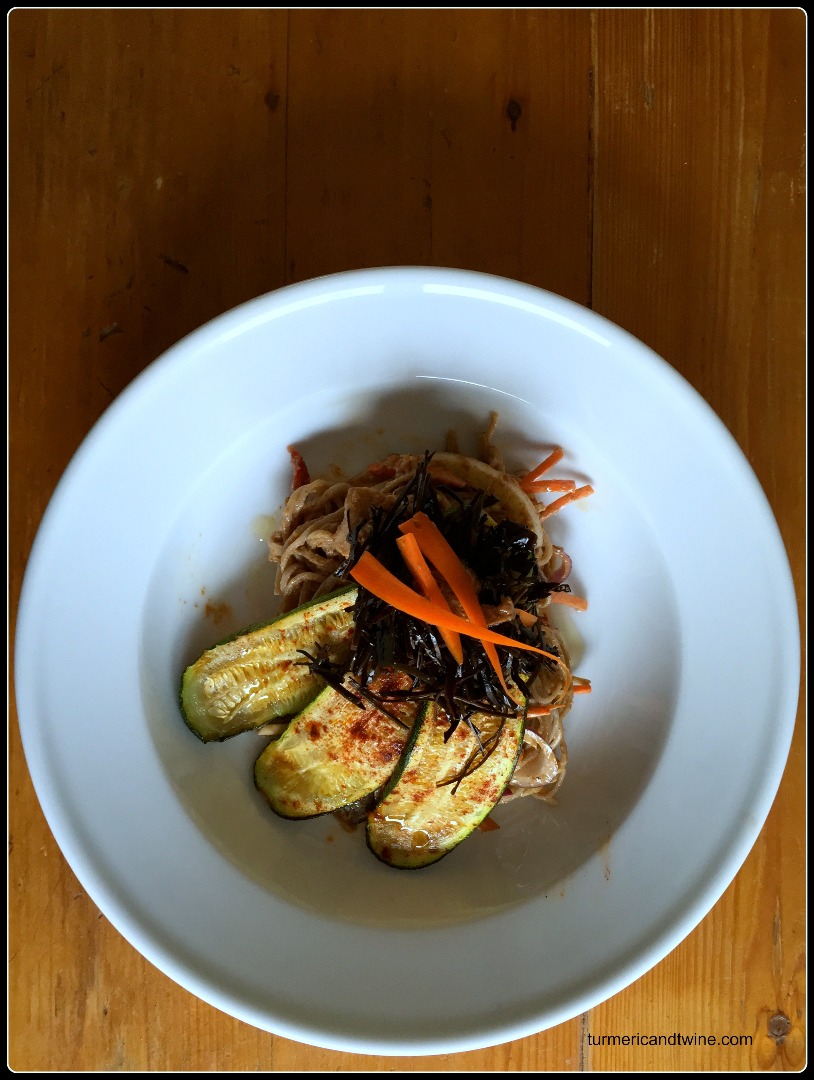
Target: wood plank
148,198
699,251
166,165
411,156
359,139
148,169
511,149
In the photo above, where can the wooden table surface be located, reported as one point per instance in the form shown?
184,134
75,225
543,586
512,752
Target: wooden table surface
167,165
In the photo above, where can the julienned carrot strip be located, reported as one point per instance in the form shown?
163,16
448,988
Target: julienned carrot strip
579,603
583,687
422,575
540,486
526,617
377,579
488,825
549,463
435,547
572,496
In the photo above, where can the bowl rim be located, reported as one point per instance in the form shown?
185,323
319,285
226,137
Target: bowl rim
115,907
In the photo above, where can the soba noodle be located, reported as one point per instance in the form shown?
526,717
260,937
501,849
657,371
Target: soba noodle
313,542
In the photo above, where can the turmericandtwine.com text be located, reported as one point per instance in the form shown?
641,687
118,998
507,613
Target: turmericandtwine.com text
675,1039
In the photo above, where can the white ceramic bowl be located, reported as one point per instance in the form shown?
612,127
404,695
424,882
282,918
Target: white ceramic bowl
674,759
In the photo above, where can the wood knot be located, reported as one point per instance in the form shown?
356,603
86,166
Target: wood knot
779,1027
514,110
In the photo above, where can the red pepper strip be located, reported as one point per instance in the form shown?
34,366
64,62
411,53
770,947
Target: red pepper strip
422,575
435,547
301,475
377,579
379,470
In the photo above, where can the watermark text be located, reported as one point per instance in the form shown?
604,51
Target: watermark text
674,1039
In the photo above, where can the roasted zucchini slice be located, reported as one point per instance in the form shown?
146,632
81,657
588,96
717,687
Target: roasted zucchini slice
332,755
258,675
441,791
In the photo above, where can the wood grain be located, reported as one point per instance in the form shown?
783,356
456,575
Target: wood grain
167,165
706,212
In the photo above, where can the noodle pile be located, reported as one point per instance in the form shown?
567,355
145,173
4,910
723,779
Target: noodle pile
312,546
